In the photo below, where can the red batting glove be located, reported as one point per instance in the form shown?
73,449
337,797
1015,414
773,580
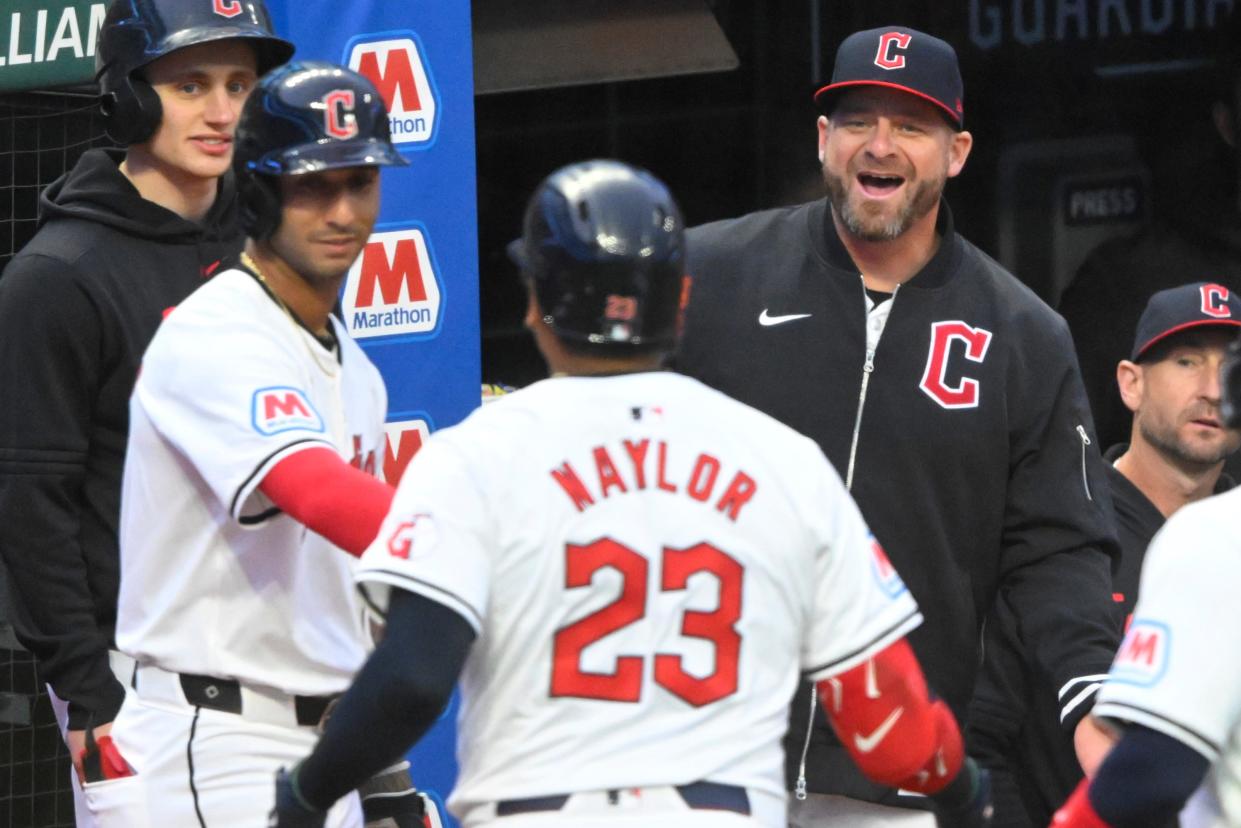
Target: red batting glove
102,760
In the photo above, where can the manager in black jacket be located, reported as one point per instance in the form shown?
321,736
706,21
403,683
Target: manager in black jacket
945,392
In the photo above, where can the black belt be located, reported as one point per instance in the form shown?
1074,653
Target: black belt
701,796
225,695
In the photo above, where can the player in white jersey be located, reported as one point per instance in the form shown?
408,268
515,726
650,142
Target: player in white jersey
254,419
1174,690
638,568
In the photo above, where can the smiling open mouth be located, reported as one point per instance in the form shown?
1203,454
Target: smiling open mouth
879,184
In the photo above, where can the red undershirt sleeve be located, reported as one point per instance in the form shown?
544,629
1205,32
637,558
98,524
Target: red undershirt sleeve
321,491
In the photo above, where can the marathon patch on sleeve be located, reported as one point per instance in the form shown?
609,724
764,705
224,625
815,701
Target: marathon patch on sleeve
888,578
1143,656
280,408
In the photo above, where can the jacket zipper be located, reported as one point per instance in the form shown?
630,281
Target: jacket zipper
1081,431
868,368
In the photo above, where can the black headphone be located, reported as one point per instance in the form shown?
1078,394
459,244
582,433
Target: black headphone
131,111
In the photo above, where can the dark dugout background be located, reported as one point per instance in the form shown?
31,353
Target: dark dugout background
1090,117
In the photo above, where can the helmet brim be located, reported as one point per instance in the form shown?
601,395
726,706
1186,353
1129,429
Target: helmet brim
332,155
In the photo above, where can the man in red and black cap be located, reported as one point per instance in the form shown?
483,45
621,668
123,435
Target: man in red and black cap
945,392
1175,456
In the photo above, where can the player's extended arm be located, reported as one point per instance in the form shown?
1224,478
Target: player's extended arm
898,736
1142,783
396,697
318,489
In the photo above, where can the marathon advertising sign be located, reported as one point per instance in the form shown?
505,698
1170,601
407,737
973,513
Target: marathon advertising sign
394,288
395,62
45,45
404,438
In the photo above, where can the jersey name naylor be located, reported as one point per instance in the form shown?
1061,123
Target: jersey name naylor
638,465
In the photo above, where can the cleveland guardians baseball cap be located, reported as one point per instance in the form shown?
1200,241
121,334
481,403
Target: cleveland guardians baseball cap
1178,309
898,58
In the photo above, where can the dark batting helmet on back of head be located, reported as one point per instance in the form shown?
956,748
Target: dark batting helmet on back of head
136,33
603,245
305,117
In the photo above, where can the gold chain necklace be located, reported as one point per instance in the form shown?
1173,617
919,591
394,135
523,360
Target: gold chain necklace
294,318
254,267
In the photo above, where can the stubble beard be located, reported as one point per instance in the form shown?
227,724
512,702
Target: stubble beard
312,272
923,197
1167,442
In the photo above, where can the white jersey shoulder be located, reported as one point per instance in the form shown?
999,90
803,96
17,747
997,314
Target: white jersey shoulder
647,562
214,578
1177,670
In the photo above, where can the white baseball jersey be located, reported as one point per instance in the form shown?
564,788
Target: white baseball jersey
214,579
649,564
1178,670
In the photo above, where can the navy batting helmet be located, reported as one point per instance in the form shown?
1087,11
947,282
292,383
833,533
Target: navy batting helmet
305,117
136,33
603,245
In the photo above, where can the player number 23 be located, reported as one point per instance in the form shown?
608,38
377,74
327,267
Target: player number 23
625,683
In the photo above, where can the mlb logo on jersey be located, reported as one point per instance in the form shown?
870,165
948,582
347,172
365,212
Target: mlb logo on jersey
394,287
280,408
394,63
404,439
1143,655
885,574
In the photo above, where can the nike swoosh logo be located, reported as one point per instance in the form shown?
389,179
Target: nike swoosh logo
767,320
865,744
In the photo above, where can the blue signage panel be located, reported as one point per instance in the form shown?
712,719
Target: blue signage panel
411,299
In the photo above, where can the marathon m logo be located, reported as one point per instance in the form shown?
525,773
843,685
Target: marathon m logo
1143,655
395,65
1215,301
339,118
227,8
890,43
934,379
885,574
280,408
393,287
404,439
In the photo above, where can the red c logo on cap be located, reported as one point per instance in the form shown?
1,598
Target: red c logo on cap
888,43
1215,301
227,8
